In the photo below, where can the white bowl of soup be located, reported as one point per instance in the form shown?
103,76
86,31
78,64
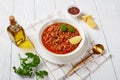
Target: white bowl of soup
54,40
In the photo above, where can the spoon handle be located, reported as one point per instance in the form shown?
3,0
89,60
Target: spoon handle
76,67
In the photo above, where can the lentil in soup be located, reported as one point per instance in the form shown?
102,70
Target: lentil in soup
55,38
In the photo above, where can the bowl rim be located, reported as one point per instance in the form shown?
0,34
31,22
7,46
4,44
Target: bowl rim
64,20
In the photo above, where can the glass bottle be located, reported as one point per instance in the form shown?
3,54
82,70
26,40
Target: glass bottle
17,35
15,31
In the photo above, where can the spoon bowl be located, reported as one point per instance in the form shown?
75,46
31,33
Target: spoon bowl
98,49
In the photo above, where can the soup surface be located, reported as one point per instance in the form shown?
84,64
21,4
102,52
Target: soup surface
56,37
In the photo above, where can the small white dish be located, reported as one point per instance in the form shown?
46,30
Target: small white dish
74,11
65,58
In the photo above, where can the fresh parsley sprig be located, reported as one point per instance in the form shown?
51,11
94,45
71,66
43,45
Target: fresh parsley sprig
71,29
28,65
65,28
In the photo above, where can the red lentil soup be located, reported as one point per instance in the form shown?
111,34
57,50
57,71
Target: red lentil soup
56,38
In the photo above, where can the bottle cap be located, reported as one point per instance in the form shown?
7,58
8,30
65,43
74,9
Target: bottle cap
12,20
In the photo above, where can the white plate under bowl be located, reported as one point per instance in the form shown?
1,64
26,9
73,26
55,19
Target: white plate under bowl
61,59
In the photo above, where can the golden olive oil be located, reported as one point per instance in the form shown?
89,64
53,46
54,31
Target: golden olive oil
26,45
17,35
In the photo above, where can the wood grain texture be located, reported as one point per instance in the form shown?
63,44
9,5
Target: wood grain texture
89,7
105,12
43,8
110,21
5,47
24,14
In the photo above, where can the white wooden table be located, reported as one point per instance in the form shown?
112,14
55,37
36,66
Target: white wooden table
107,13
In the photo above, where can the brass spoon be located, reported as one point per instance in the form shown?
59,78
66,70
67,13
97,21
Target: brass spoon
97,49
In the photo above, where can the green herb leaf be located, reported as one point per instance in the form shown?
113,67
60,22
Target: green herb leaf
41,74
26,66
29,54
63,27
35,61
23,71
71,29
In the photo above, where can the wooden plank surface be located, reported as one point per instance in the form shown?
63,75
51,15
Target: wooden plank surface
110,21
5,43
105,12
43,8
24,14
89,7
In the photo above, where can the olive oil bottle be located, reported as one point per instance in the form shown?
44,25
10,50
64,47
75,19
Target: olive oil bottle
15,31
17,35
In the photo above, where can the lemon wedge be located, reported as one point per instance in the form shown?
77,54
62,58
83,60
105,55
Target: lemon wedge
88,19
75,39
91,23
84,18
